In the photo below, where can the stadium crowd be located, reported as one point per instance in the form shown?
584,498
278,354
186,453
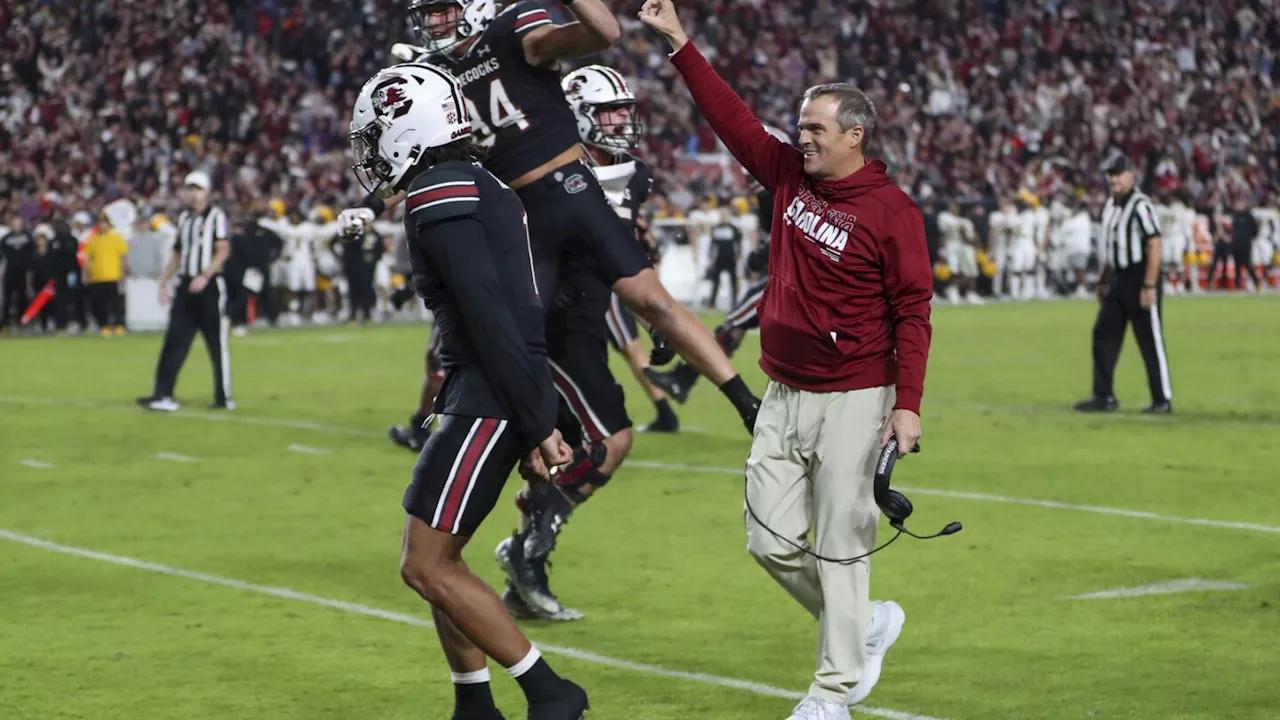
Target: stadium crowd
979,100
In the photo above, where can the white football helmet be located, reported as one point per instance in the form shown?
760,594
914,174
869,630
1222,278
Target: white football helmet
592,89
401,112
474,18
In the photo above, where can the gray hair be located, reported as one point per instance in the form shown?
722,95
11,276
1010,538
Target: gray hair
853,107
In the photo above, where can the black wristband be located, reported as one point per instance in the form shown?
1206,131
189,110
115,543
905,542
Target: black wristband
374,203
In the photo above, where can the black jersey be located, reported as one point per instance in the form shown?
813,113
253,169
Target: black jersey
473,265
518,111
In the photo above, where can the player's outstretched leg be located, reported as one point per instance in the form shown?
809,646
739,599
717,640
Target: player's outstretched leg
679,382
647,298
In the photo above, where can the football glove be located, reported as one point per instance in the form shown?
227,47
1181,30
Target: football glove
352,222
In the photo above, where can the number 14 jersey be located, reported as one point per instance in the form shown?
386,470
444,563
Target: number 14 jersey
518,111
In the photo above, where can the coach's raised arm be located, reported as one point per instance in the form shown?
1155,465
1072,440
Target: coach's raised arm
844,339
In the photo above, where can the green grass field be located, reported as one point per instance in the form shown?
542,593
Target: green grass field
258,578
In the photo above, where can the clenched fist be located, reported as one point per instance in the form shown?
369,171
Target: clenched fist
661,16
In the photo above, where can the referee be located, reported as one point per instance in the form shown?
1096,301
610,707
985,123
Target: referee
1130,292
200,251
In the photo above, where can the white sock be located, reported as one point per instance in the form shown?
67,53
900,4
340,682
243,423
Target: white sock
524,665
472,678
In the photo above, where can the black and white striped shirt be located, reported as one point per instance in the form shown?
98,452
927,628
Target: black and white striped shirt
197,233
1127,224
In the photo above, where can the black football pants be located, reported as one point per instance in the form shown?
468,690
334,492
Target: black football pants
206,313
1120,307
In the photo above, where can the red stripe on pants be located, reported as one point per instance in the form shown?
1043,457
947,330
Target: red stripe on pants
594,432
467,472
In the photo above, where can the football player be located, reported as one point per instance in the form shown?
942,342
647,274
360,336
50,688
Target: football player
473,266
588,317
506,63
605,107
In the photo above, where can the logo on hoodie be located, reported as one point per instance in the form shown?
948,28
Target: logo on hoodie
827,228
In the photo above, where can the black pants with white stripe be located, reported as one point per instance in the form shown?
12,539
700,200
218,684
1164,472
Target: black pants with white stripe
206,313
1122,306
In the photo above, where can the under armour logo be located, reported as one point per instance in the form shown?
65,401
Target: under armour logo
484,50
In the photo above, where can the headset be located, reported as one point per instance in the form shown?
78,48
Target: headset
892,503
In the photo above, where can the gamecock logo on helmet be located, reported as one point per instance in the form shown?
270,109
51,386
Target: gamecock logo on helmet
390,98
575,87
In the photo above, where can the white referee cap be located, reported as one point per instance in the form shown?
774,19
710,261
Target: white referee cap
198,178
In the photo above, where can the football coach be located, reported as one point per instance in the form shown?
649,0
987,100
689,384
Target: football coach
844,336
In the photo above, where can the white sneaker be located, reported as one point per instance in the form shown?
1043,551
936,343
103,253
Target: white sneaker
885,629
813,708
166,404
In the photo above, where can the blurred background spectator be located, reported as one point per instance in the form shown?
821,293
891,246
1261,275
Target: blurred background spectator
979,99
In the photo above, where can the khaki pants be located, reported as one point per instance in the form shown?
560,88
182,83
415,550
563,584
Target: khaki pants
811,467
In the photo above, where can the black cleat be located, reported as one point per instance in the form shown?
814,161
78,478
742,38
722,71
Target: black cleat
662,424
572,704
1096,405
1164,407
228,405
516,604
677,383
412,436
529,581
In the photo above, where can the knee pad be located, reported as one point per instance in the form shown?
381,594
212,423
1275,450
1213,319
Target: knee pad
583,470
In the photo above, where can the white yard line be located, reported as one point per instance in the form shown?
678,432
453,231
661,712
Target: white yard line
37,464
1165,588
986,497
359,609
306,449
236,417
174,457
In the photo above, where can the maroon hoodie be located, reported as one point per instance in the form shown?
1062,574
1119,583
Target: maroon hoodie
847,303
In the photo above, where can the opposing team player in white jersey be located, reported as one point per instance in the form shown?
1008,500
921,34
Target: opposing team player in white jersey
506,63
301,240
1076,239
959,250
1023,250
999,240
